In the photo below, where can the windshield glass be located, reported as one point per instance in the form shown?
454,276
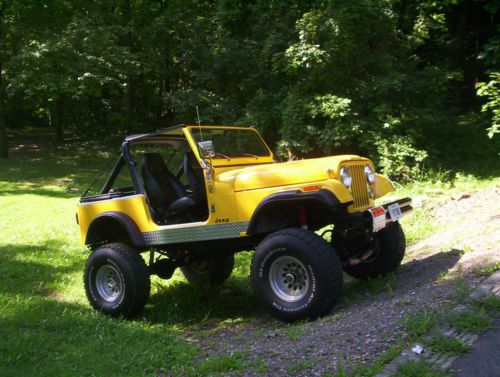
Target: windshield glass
232,142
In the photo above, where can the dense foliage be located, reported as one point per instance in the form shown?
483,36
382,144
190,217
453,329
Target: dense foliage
396,79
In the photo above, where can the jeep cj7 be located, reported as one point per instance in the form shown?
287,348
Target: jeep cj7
193,196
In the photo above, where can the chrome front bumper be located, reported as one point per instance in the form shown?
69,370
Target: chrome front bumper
382,215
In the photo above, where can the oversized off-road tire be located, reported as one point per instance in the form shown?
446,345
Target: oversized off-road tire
116,280
215,269
296,275
390,244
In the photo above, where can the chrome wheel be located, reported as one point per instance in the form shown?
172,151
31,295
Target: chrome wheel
109,283
289,279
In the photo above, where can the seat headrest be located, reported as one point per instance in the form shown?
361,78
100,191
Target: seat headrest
153,162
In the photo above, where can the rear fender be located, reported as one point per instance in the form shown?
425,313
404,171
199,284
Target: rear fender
113,227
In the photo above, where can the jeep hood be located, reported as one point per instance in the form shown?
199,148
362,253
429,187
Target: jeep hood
285,173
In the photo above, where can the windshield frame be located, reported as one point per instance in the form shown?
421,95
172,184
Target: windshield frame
244,159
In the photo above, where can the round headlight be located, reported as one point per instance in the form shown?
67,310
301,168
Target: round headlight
369,174
345,177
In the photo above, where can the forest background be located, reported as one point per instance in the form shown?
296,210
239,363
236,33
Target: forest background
413,84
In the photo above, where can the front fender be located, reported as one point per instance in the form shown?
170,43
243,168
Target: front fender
382,186
281,210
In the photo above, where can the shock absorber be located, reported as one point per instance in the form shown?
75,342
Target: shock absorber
302,217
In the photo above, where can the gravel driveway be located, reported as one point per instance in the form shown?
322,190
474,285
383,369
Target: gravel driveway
365,325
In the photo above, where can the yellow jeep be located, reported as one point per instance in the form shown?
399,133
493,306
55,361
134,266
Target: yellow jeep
192,196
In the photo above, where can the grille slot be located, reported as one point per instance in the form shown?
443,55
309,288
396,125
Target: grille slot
359,186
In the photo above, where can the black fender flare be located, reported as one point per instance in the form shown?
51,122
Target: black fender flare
95,230
272,206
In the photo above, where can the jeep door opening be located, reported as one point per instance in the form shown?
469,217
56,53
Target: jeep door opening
193,196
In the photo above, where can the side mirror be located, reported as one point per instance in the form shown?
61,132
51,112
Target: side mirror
206,148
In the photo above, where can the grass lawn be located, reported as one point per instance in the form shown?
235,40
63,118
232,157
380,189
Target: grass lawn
46,326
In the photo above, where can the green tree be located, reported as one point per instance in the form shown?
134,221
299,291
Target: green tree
394,79
491,91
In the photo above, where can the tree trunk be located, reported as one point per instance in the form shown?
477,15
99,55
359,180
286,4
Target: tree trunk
461,52
402,15
4,150
130,88
58,120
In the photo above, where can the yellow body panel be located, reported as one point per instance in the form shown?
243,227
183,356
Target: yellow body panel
382,186
236,187
247,201
283,174
134,206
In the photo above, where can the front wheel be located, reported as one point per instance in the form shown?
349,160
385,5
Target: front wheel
390,244
296,275
116,280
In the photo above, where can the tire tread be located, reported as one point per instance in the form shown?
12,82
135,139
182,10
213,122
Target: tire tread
137,271
328,261
392,243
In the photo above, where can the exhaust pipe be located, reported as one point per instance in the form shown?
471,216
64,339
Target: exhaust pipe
355,261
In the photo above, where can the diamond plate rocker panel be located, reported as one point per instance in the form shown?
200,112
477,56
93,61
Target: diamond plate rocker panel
195,233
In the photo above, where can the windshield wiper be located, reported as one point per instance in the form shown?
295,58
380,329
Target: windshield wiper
223,155
248,154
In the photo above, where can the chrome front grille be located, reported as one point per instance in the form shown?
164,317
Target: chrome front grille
359,188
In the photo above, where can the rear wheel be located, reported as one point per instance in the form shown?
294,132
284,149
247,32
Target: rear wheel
214,269
296,275
390,244
116,280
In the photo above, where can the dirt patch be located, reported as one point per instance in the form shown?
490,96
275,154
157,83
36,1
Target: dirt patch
63,182
57,296
362,328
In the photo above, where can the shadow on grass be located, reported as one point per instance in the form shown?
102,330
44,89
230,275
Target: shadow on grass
61,177
45,337
47,334
183,304
39,271
42,192
186,305
22,271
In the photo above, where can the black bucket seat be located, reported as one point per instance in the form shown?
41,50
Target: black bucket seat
166,194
